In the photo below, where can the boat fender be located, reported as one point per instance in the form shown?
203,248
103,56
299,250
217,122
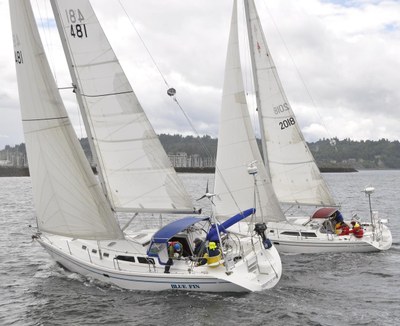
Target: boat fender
267,243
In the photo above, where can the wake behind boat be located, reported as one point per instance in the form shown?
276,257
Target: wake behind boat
288,174
76,212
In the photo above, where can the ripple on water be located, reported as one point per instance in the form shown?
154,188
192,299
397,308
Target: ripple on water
336,289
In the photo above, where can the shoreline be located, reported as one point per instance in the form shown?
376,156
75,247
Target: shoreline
9,171
6,171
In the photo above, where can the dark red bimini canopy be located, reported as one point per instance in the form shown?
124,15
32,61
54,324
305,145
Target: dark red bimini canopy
324,212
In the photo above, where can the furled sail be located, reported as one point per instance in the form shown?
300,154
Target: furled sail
294,173
136,170
67,197
237,147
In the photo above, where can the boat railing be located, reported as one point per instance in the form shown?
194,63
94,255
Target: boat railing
69,248
116,263
151,266
235,246
377,226
90,257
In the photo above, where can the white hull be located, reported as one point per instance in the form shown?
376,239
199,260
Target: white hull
289,177
295,238
323,242
324,246
246,276
135,173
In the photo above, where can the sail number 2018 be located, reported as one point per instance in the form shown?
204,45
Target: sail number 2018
287,123
75,18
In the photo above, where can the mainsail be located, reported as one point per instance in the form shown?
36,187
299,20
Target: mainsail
294,173
67,197
237,147
136,171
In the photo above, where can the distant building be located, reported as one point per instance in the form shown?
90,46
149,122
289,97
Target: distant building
182,160
179,160
13,158
5,163
196,161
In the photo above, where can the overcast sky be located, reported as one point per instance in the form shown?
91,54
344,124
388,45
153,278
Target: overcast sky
339,62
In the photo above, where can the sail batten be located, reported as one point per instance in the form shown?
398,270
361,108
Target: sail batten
94,63
122,137
103,95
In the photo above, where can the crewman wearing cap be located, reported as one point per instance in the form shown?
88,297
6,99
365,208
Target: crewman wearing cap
175,250
198,251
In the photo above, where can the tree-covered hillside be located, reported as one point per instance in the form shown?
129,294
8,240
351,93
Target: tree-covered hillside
358,154
204,146
381,154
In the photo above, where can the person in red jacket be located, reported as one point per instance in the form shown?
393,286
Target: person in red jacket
357,230
342,228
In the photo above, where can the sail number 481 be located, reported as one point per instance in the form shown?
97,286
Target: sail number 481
287,123
75,17
19,59
78,30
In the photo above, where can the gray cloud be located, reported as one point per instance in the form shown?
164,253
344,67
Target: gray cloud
345,52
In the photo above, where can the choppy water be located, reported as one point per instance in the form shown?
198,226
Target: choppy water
334,289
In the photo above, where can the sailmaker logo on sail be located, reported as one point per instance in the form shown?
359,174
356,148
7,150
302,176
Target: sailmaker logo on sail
281,108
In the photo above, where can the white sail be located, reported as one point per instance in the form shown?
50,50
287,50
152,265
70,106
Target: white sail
294,173
237,147
136,170
68,199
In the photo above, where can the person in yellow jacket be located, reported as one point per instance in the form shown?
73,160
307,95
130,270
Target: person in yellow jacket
213,255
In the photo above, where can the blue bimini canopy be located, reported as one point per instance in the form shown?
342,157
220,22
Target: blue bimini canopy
168,231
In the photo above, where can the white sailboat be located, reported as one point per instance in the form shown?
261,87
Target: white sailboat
290,173
76,212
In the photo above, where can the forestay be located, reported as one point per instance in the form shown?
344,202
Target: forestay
237,147
294,173
136,170
67,197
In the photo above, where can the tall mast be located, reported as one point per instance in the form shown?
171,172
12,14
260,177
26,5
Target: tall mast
255,81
